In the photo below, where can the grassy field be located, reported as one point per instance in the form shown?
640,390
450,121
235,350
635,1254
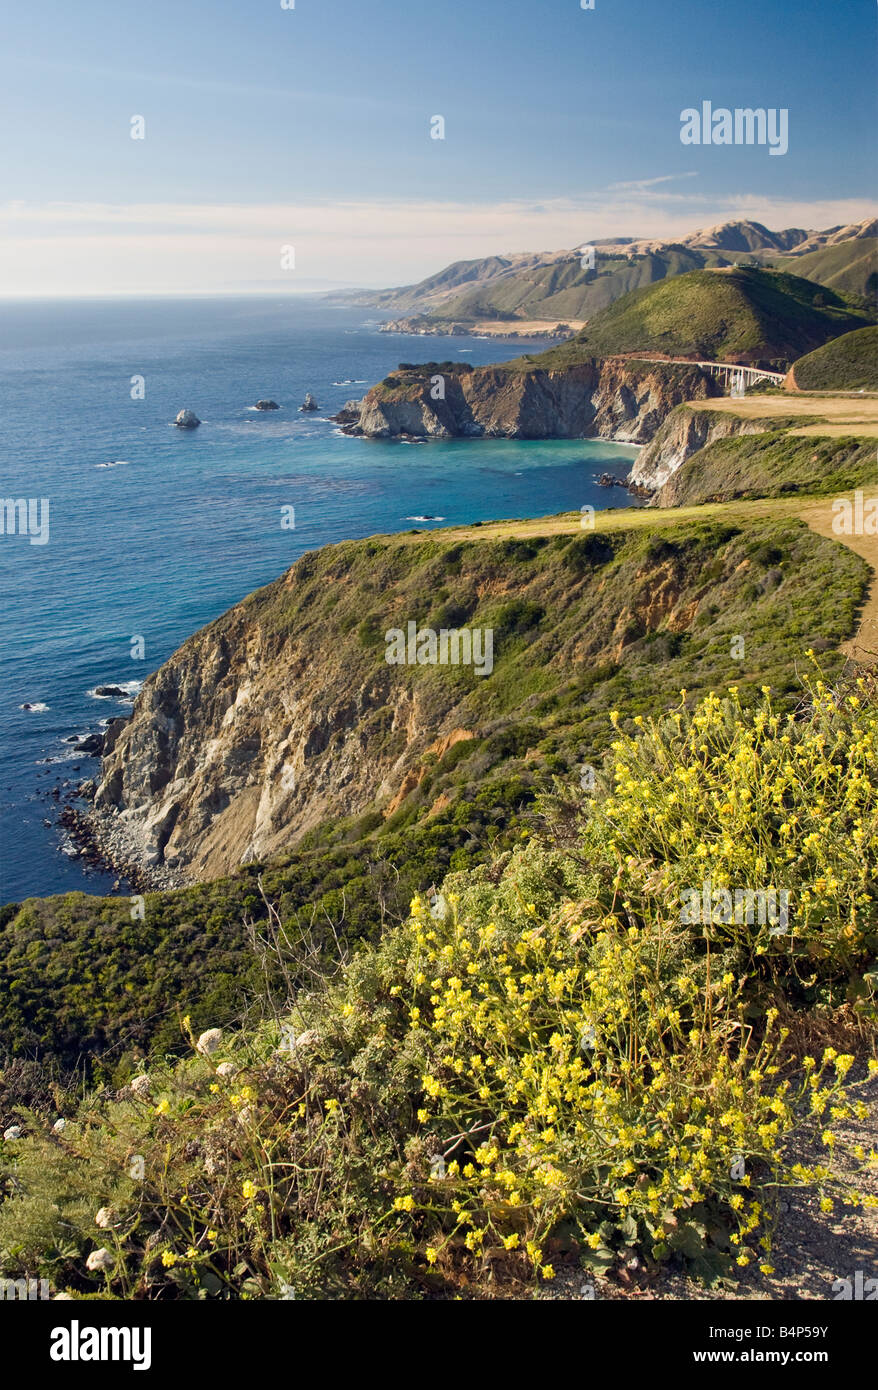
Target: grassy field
840,413
629,519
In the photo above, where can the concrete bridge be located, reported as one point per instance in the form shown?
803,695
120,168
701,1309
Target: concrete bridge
738,378
735,377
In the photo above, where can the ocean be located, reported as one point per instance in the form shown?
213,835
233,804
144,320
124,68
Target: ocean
154,531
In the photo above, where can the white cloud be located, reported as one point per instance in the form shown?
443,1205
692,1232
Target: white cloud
650,183
55,249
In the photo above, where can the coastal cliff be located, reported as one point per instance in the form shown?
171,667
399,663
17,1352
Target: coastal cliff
682,434
284,715
608,398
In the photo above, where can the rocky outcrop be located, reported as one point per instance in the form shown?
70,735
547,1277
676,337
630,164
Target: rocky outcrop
309,403
349,413
256,731
285,713
683,434
267,405
187,420
610,398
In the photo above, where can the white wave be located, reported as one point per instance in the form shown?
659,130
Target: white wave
114,463
423,518
38,707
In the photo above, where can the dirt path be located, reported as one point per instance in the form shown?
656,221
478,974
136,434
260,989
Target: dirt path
818,514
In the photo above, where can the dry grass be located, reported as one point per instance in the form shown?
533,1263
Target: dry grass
844,413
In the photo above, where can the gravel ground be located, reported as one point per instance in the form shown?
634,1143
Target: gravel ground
811,1250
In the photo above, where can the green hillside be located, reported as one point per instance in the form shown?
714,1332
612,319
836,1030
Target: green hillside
584,622
743,314
848,363
555,286
555,1063
774,464
849,268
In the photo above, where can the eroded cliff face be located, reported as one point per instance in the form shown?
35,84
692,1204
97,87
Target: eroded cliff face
249,735
609,398
285,712
681,435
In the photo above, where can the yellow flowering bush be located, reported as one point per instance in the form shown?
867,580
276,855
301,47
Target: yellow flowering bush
749,801
555,1060
593,1072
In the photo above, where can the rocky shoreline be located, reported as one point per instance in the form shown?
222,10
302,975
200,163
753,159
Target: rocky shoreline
423,327
634,489
94,834
104,844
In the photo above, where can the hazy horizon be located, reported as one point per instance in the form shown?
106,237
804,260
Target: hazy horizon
143,168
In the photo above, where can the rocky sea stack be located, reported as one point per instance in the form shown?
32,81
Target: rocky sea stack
309,403
267,405
187,420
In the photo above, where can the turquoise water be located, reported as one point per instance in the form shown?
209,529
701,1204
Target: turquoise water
182,525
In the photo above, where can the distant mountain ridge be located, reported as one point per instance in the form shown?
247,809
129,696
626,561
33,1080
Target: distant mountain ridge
555,286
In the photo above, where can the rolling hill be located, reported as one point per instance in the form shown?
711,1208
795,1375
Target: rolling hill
740,314
849,267
553,286
848,363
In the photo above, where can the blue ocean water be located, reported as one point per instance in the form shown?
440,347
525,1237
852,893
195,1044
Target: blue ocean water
154,531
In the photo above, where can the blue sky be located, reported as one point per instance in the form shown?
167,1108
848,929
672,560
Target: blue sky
311,126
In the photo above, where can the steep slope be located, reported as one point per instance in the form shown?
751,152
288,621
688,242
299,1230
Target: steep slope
587,623
760,446
285,713
435,289
848,363
747,463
